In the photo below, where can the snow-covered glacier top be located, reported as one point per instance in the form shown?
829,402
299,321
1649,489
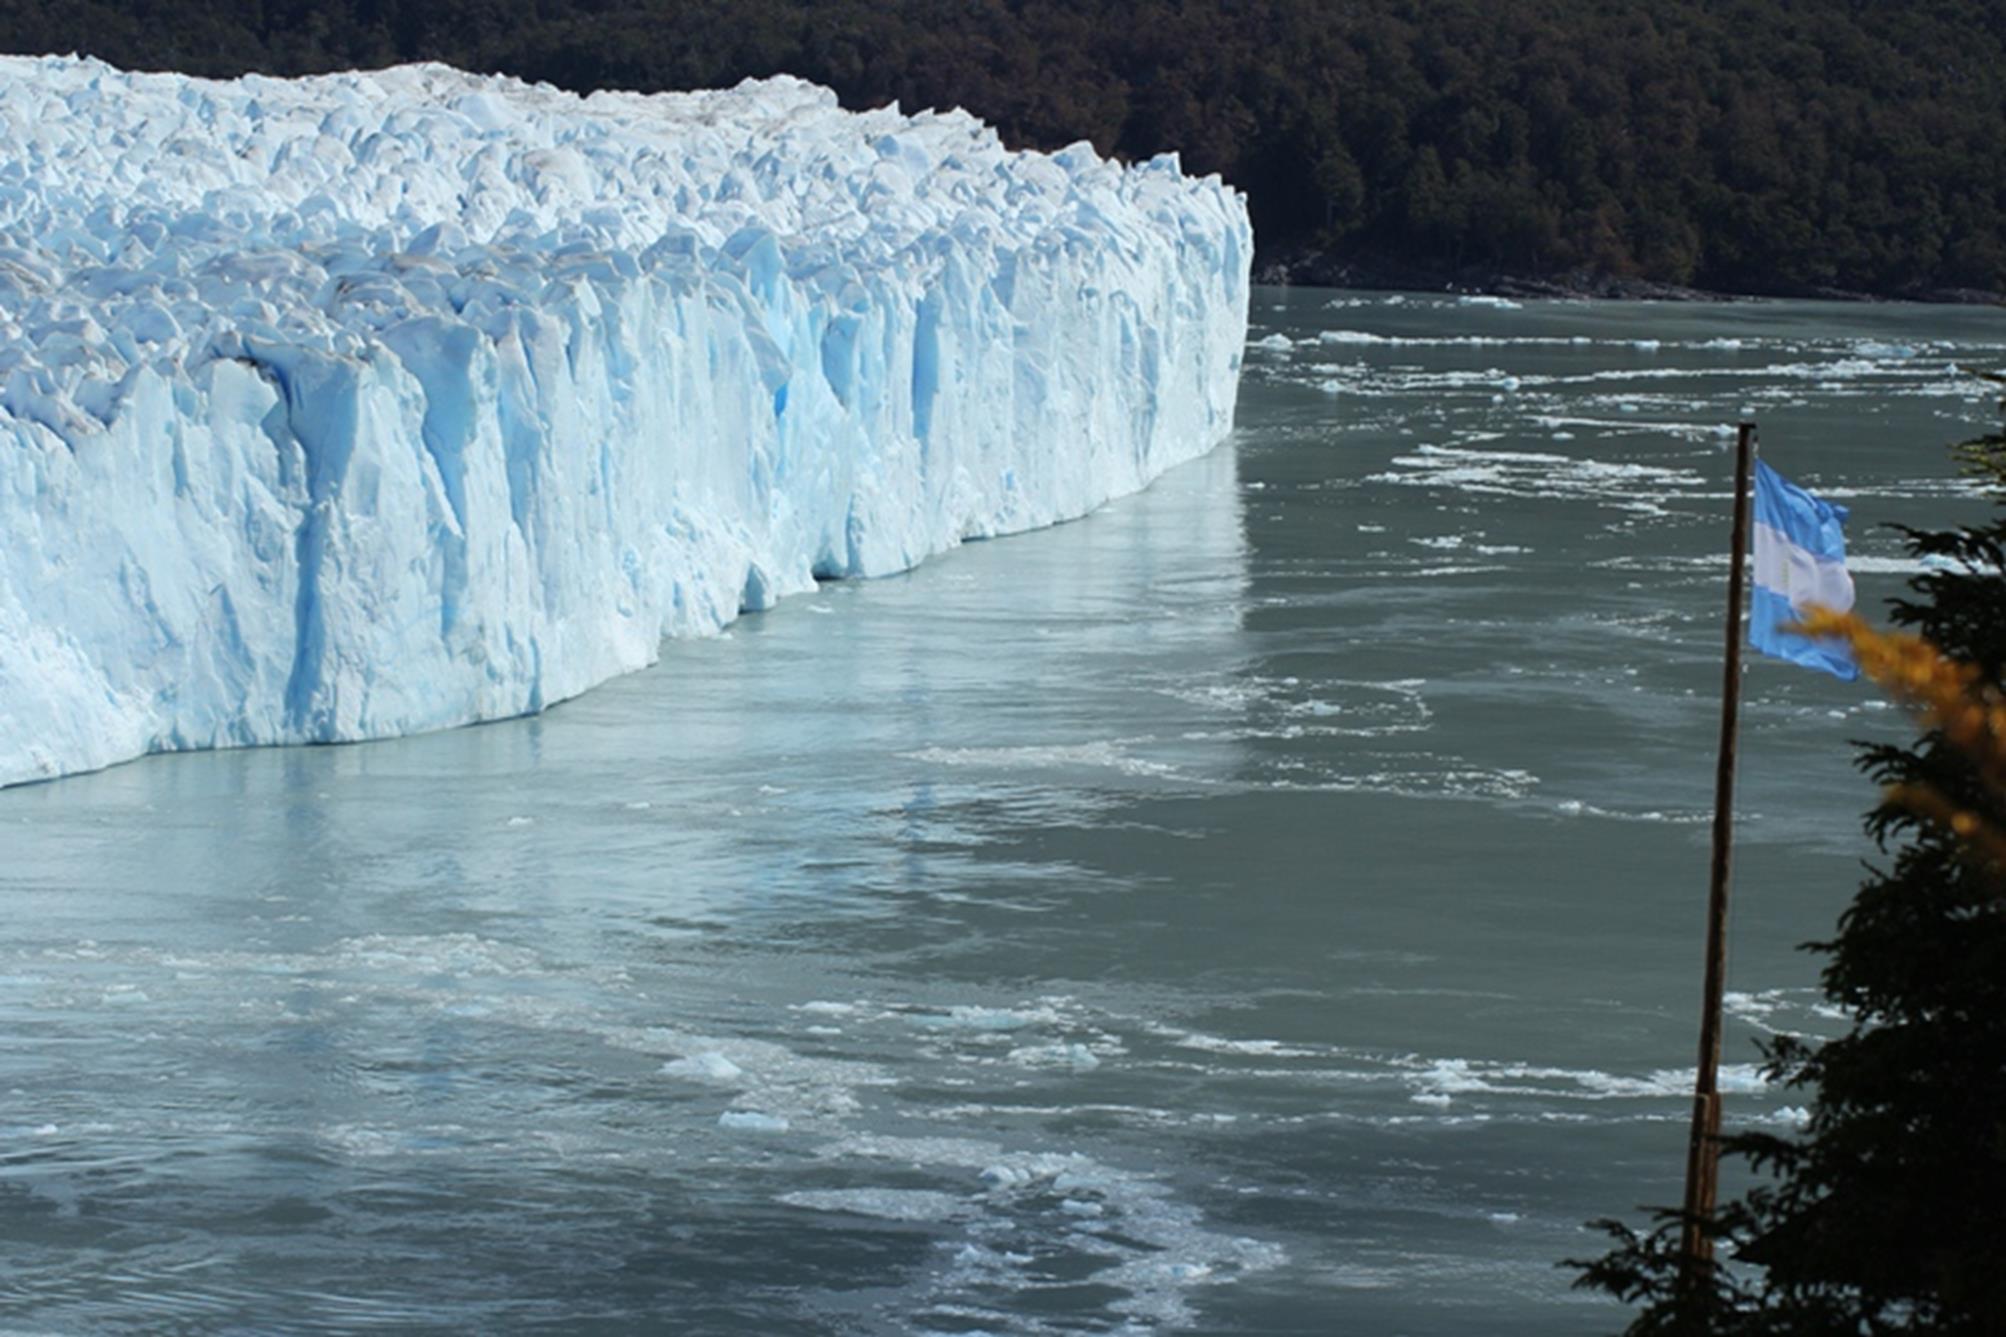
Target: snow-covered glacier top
352,406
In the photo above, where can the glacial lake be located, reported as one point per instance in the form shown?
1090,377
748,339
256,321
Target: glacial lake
1271,905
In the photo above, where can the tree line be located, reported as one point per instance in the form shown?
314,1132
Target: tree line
1779,146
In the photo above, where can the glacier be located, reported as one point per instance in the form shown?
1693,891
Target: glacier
366,404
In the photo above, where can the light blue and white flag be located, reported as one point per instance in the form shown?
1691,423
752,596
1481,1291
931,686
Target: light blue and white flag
1800,560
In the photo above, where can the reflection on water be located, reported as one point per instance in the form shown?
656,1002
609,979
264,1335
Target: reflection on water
1269,904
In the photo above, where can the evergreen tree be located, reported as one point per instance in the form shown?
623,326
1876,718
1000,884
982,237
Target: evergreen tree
1888,1215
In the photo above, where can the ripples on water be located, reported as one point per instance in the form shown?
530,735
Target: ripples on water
1269,905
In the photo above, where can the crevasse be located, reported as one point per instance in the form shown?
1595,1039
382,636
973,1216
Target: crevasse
355,406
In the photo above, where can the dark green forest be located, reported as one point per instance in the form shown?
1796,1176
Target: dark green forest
1784,146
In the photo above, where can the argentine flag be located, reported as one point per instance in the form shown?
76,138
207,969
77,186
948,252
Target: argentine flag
1800,560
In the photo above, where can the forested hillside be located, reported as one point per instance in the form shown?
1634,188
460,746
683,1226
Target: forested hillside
1784,147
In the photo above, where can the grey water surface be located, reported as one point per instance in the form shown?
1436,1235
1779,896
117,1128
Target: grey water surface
1270,905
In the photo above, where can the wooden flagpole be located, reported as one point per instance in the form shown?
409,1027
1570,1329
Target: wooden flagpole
1703,1151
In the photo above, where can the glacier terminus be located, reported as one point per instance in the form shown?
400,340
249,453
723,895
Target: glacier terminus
354,406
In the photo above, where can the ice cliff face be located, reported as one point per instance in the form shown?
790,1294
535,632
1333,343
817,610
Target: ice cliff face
375,403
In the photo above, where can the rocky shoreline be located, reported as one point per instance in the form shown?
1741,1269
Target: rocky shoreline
1305,267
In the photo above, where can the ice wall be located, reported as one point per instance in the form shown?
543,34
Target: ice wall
354,406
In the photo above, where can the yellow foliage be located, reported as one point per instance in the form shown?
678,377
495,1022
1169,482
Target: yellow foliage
1947,695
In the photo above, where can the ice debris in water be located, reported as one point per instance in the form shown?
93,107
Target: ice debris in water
1073,1055
706,1067
358,405
752,1121
889,1204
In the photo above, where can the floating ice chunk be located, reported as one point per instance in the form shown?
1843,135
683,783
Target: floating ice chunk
1742,1078
752,1121
1078,1057
889,1204
1453,1076
1009,1175
964,1017
707,1067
